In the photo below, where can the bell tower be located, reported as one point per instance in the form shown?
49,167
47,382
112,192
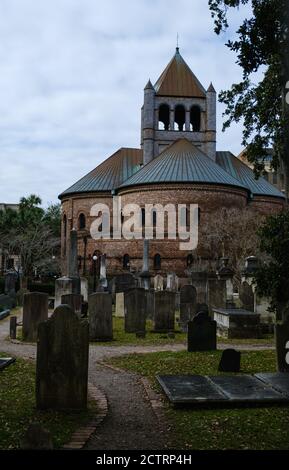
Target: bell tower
178,106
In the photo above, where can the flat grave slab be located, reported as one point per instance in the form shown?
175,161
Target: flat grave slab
6,361
279,381
226,389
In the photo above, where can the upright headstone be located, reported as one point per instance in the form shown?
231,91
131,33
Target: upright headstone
172,282
158,282
100,316
150,304
216,294
119,305
188,305
84,288
62,361
246,295
74,301
202,333
10,282
35,311
135,310
123,282
164,317
230,361
282,345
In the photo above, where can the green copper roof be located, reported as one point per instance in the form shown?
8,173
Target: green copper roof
109,174
182,162
239,170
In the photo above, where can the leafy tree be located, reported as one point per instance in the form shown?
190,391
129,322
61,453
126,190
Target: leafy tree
262,44
33,234
273,278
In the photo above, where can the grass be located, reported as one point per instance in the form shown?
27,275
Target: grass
263,428
17,410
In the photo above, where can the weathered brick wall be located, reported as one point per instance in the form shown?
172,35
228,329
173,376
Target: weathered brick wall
210,198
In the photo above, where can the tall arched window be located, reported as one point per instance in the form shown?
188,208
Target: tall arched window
157,261
126,261
180,117
164,117
143,217
195,119
81,222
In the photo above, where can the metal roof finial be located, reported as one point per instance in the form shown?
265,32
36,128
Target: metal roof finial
177,48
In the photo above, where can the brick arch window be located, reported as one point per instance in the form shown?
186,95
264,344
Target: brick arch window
164,117
81,221
157,261
180,117
195,118
190,260
126,261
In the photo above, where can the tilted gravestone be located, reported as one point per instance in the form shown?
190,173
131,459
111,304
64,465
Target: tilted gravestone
62,361
135,303
74,301
282,345
230,361
202,333
188,305
100,316
35,311
164,316
246,295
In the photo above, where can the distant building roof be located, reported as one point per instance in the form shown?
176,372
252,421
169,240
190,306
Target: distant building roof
109,174
182,162
178,80
239,170
5,205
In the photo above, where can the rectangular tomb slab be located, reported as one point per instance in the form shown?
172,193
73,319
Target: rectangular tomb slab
190,389
6,361
279,381
222,389
246,388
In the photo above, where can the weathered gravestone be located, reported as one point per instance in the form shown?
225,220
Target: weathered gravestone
84,288
74,301
172,282
202,333
282,345
100,316
123,282
10,282
62,361
119,304
164,317
216,293
230,361
35,311
246,296
188,305
158,282
135,310
150,303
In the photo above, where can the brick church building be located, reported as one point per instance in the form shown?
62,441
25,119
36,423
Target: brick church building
177,163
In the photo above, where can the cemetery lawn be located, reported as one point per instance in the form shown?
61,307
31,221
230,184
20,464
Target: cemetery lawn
120,338
264,428
17,398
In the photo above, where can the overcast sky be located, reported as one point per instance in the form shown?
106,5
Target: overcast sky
72,74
